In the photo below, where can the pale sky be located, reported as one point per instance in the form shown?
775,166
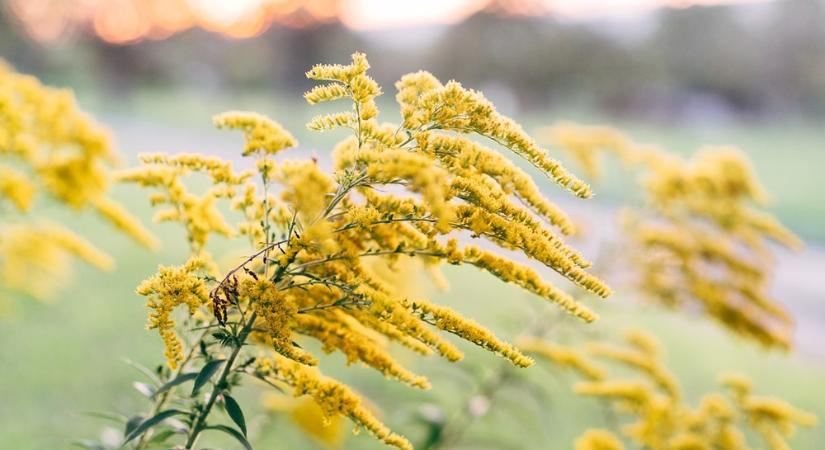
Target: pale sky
132,20
373,14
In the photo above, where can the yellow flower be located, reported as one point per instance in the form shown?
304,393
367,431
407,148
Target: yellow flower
50,149
324,245
563,356
263,135
16,188
333,397
309,418
169,288
34,257
598,440
701,218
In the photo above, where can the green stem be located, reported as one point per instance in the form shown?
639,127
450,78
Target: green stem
161,401
200,422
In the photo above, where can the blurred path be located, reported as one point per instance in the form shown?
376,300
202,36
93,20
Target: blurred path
799,281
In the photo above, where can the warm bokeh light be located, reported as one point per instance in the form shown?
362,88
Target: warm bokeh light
127,21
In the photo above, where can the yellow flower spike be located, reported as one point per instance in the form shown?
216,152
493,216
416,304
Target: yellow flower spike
306,191
348,81
326,93
644,342
451,107
16,188
49,148
337,335
633,392
333,397
198,214
77,246
461,153
333,121
563,356
658,417
325,246
119,216
448,320
522,276
40,251
598,440
169,288
707,221
640,361
277,314
263,135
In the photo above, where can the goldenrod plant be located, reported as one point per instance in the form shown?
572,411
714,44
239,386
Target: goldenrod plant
416,190
653,409
51,153
701,239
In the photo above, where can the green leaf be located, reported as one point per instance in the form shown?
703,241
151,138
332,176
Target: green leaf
206,374
232,432
235,412
143,369
182,378
133,422
114,417
144,389
152,421
160,437
88,444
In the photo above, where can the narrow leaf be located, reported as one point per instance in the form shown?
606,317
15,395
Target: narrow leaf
114,417
206,374
232,432
144,389
160,437
143,369
152,421
182,378
235,412
133,422
89,445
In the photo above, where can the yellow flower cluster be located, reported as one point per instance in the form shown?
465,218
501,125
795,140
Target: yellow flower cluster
333,397
584,144
661,420
598,440
277,313
416,191
50,148
563,357
772,418
34,257
701,238
168,289
197,213
426,104
262,134
309,418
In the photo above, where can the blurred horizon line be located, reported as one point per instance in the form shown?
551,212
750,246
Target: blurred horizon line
125,22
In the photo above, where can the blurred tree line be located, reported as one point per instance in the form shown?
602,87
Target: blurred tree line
742,61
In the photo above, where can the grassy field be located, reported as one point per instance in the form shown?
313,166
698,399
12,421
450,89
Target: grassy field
64,358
